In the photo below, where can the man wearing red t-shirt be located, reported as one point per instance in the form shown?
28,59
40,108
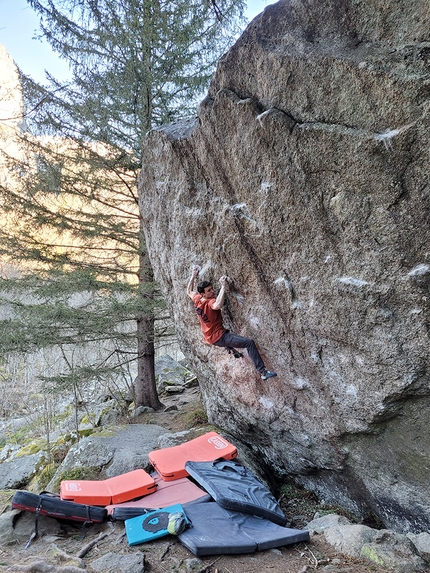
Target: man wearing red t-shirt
208,307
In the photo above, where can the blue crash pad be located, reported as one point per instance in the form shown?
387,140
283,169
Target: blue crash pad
151,525
217,531
235,487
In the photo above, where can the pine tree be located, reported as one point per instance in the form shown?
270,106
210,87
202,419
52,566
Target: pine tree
73,215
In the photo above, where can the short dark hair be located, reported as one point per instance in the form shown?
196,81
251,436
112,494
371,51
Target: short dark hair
201,286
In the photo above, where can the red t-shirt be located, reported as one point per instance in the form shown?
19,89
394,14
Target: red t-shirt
210,319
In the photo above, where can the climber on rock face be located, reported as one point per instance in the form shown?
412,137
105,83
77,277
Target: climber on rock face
208,307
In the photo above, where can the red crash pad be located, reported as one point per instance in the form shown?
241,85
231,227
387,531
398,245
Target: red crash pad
118,489
170,462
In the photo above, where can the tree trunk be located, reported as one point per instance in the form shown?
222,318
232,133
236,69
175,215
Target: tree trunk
145,390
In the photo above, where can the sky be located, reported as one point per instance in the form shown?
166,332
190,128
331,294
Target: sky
19,25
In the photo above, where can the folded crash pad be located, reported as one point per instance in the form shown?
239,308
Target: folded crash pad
235,487
151,525
124,487
170,462
217,531
182,490
51,505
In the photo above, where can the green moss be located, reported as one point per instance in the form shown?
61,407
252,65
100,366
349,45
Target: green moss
82,472
33,447
289,491
111,431
94,419
20,436
43,477
86,432
77,473
196,418
371,554
67,439
5,499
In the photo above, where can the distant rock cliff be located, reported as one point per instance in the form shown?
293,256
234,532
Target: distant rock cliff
305,178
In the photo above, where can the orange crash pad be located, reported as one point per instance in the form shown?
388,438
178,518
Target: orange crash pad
170,462
124,487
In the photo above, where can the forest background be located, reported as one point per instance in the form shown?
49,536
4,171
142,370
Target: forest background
19,25
79,306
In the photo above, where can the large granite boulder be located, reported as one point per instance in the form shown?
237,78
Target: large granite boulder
114,451
305,178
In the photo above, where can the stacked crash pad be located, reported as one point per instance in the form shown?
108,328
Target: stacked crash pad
245,517
226,509
182,491
218,531
235,487
170,462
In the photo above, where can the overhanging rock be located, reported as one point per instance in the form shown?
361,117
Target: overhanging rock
305,179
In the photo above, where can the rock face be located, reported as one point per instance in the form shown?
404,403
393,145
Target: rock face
305,178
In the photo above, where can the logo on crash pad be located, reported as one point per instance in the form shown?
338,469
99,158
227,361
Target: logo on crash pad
218,442
73,486
156,522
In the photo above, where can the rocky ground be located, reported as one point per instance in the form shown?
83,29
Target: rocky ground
105,547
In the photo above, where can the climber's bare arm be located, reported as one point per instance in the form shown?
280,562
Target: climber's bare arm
219,303
190,287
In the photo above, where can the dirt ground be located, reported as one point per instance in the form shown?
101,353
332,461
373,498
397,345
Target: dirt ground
167,555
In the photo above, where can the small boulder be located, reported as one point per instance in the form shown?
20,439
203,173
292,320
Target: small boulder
320,524
349,539
394,551
422,543
169,373
17,472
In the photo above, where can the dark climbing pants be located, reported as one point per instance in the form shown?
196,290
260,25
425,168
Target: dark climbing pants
230,340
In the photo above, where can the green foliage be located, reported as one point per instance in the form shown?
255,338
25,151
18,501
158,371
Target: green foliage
290,491
20,436
33,447
85,432
196,418
45,473
77,473
81,472
73,214
136,64
44,305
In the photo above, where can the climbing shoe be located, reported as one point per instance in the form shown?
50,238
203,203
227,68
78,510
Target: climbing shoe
268,374
235,353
